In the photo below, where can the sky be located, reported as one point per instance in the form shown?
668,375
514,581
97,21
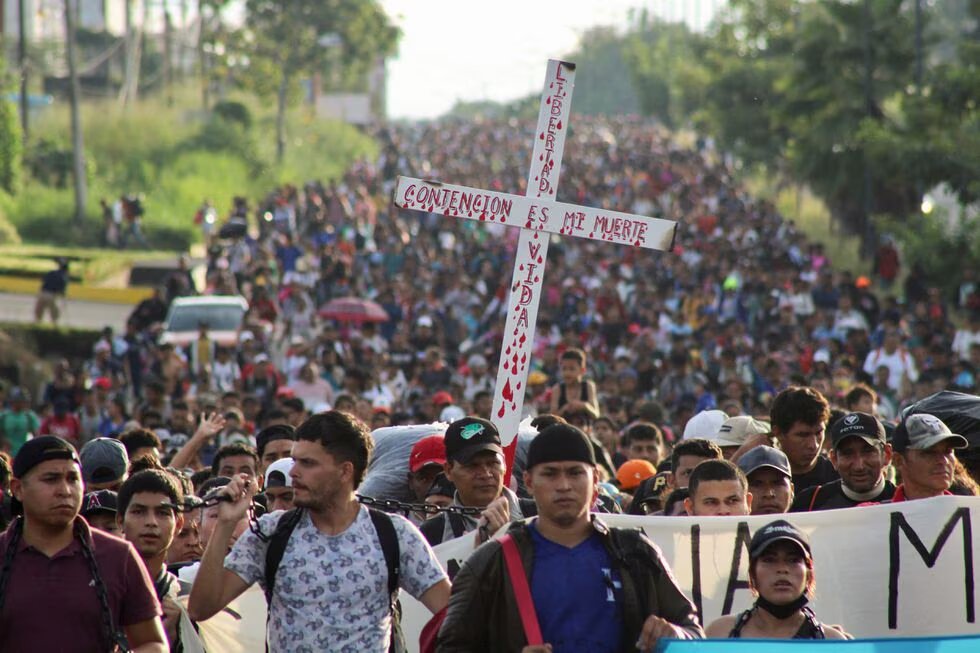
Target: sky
498,49
471,50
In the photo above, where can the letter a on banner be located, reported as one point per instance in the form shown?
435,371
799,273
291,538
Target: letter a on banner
539,215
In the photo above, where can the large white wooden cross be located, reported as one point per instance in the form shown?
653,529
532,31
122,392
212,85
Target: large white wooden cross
535,212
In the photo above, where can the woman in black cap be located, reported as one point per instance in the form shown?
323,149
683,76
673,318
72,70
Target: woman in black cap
781,577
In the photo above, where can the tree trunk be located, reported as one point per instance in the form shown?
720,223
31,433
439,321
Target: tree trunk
168,54
22,63
281,115
202,62
77,142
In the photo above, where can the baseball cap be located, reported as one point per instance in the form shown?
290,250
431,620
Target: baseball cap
633,472
921,431
469,436
764,456
774,532
861,425
450,414
99,501
39,450
441,397
424,321
560,443
103,460
430,450
736,430
277,474
705,425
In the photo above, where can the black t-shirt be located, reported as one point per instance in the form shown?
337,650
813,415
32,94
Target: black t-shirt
822,473
830,496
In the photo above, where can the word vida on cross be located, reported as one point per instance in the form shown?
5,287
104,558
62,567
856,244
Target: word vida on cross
535,212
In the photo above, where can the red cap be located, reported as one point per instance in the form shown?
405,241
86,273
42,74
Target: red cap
102,383
285,391
441,398
430,450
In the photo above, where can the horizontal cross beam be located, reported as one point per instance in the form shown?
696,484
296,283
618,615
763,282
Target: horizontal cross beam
535,213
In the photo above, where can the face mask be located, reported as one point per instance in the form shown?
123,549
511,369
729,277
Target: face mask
782,611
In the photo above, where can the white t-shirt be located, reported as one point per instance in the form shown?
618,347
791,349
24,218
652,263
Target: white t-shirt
331,591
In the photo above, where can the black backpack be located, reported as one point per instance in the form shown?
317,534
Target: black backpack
389,546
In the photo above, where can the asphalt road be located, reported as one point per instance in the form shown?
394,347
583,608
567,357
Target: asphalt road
80,314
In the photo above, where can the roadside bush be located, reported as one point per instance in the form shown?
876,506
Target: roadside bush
231,111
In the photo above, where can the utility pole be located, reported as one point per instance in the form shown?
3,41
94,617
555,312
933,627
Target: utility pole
869,233
918,46
77,142
202,59
22,62
168,55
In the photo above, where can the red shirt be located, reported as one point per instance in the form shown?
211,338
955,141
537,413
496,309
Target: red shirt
65,427
51,606
900,494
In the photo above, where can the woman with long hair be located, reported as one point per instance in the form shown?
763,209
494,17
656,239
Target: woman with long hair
781,576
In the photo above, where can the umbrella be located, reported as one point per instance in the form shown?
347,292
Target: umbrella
353,309
959,411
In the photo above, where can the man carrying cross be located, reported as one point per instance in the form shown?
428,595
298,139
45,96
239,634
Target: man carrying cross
475,464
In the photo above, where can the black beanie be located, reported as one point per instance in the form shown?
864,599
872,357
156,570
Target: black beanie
560,443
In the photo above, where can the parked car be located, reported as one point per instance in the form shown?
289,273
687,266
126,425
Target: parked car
222,313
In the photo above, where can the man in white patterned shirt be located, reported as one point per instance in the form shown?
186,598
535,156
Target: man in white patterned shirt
330,589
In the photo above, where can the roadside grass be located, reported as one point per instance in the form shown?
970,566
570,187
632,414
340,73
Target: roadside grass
810,214
175,157
89,266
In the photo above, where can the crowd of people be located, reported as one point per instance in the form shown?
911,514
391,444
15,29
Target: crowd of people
740,374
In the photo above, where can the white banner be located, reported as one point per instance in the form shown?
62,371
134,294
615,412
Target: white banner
904,569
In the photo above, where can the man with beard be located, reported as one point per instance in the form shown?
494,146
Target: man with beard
860,455
103,591
329,588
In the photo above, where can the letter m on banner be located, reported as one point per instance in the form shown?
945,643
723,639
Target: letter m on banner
899,524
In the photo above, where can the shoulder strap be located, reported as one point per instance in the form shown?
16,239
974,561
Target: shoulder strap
522,593
389,546
528,507
456,523
277,546
432,529
813,499
740,621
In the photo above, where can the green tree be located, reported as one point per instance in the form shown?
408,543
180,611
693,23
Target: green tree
286,39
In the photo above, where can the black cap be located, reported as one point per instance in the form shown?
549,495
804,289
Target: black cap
774,532
39,450
442,486
765,456
99,501
274,432
469,436
862,425
560,443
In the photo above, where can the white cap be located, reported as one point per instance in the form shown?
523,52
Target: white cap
736,430
705,425
450,414
277,474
